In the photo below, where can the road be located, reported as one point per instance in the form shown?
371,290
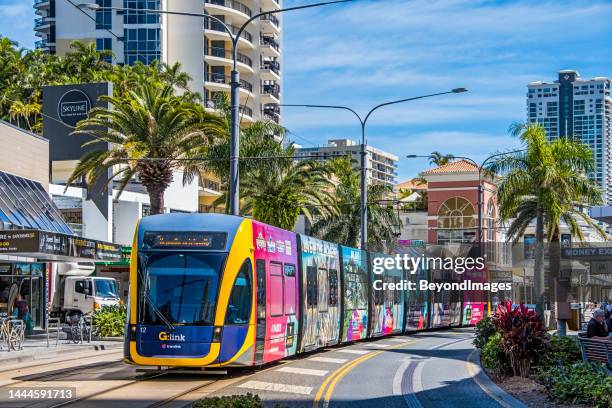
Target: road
425,370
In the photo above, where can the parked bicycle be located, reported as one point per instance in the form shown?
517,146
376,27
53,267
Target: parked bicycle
82,329
12,333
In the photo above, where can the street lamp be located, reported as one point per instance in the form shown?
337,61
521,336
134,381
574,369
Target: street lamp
363,121
480,189
234,182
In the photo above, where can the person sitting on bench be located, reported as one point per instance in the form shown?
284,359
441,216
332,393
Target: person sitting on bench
596,328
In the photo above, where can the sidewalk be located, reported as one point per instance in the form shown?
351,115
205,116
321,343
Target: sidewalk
35,348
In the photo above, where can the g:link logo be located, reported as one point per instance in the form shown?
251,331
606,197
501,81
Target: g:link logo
163,336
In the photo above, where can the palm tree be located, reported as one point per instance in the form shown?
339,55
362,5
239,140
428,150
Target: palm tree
344,227
546,182
145,134
440,159
83,61
257,139
278,193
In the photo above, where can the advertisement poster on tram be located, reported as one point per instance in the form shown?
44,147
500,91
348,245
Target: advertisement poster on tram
277,248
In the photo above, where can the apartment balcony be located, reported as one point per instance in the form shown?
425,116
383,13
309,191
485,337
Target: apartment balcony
268,5
270,93
270,24
43,23
215,31
270,71
246,114
271,113
222,83
269,46
233,8
211,209
221,56
44,45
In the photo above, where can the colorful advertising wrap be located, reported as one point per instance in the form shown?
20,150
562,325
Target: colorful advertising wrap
355,273
278,249
321,298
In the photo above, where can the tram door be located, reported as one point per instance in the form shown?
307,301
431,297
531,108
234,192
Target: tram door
260,333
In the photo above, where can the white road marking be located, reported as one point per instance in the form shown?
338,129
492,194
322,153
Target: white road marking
276,387
305,371
352,351
396,340
379,345
328,360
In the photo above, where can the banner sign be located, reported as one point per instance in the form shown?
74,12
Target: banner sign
51,243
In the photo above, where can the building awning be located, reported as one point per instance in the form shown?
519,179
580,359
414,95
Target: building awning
53,246
25,204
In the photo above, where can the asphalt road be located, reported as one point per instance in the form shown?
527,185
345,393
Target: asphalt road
425,370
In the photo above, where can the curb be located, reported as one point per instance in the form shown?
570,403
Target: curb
493,390
52,352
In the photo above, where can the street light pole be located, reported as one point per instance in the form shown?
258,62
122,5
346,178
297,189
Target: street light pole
363,208
234,182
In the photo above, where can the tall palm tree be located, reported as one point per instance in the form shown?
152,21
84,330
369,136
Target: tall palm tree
145,134
278,193
440,159
257,139
548,183
344,227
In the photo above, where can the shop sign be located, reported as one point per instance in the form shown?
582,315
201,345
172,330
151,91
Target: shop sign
586,252
73,107
34,241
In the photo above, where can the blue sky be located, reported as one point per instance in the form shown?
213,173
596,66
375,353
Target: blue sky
367,52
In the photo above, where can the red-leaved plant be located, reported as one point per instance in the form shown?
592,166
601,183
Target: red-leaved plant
523,335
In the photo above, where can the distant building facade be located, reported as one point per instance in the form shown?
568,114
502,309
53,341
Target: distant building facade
381,166
581,108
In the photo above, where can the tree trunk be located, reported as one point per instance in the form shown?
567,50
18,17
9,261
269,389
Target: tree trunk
156,198
538,272
560,283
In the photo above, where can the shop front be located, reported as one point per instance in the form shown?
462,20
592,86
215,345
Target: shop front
27,260
22,285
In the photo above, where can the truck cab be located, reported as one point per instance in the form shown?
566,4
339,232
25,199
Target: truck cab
86,294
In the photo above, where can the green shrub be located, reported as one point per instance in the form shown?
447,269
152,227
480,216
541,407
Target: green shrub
484,330
231,401
110,320
493,357
579,383
562,350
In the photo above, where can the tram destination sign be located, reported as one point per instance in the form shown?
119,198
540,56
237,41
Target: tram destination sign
184,240
43,244
587,252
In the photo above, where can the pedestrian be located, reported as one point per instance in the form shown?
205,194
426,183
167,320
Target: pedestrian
596,328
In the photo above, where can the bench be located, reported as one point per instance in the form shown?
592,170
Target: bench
596,351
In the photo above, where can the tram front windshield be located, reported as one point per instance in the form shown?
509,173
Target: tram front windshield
179,288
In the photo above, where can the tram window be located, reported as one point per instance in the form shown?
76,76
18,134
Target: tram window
397,294
289,292
276,289
379,297
311,286
260,267
333,287
239,304
289,269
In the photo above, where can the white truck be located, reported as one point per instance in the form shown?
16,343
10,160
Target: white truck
76,293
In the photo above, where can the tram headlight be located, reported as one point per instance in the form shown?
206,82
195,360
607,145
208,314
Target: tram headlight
132,332
217,331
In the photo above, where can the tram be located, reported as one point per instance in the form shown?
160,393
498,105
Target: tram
213,290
